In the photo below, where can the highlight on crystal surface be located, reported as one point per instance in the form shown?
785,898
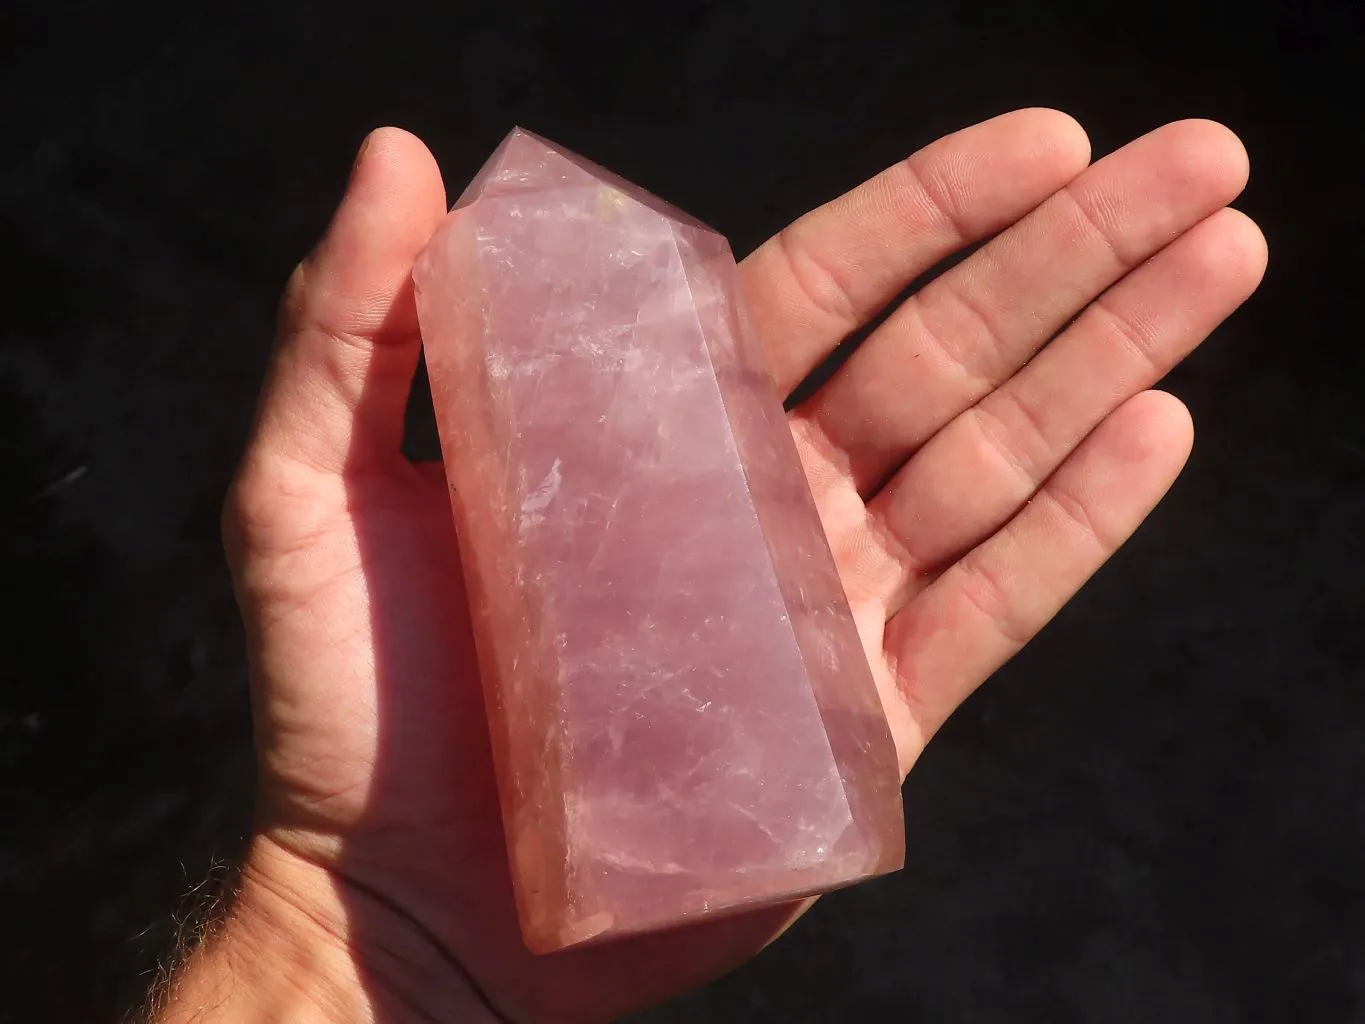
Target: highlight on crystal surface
683,719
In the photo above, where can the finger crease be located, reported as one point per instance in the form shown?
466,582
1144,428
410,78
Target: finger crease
1074,511
993,430
981,383
943,210
1139,342
1105,236
818,285
985,593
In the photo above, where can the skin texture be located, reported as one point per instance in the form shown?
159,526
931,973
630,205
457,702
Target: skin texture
973,468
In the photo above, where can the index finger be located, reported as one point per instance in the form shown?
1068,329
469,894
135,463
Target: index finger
831,271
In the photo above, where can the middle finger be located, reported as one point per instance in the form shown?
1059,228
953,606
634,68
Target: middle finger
966,332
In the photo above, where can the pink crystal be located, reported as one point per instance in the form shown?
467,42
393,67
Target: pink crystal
684,723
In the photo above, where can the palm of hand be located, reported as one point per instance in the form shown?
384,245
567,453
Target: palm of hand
967,492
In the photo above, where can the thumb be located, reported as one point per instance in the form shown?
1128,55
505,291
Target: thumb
348,344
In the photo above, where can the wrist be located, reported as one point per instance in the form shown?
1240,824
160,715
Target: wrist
291,948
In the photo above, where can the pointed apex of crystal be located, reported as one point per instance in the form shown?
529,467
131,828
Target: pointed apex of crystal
526,162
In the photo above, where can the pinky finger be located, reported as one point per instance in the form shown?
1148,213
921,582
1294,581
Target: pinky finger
983,609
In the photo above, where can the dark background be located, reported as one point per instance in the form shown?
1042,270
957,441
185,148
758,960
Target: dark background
1154,814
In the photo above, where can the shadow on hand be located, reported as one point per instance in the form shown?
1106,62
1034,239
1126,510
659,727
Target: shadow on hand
429,894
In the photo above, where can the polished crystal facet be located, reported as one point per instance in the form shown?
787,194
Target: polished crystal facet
683,718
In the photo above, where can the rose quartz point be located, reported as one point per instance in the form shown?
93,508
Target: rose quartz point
684,722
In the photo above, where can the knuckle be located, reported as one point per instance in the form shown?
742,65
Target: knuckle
246,508
983,589
256,507
1077,513
997,439
820,287
1095,215
923,183
962,332
276,504
1131,336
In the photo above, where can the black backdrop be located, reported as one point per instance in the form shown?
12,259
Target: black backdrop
1154,814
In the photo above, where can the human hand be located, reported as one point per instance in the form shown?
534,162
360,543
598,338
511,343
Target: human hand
969,483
